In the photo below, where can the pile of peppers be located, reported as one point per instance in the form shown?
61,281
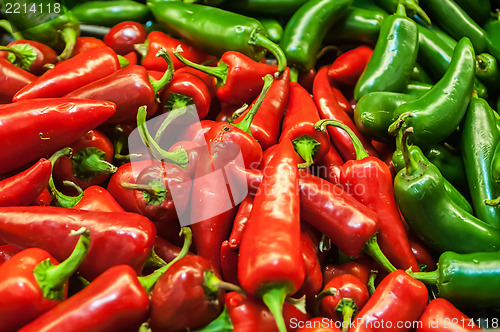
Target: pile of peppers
249,165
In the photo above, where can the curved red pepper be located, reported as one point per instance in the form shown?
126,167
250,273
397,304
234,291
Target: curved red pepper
441,315
71,74
348,67
306,80
240,222
268,155
166,250
229,263
13,80
329,108
84,44
7,251
123,36
397,300
96,198
313,276
247,315
342,101
24,187
360,269
117,237
44,199
318,324
271,264
294,315
44,55
32,129
197,132
330,167
90,163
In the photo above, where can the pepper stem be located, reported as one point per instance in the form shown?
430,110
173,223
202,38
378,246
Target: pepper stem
426,277
413,5
154,261
346,307
411,164
399,123
167,76
307,148
52,278
220,72
69,35
318,298
358,146
178,156
59,198
372,249
259,39
246,123
294,74
21,55
492,202
123,61
4,24
274,296
89,162
150,280
221,324
371,281
213,284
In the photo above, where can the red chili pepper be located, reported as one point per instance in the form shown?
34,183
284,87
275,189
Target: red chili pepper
132,58
318,324
313,276
298,126
33,282
71,74
238,77
369,180
398,301
441,315
96,198
422,254
140,91
330,167
30,55
157,40
341,298
197,132
13,80
229,112
329,108
34,128
123,36
247,315
306,80
342,101
240,221
7,251
266,124
117,238
24,187
90,163
166,250
84,44
193,150
293,316
44,199
348,67
271,264
269,153
229,263
359,268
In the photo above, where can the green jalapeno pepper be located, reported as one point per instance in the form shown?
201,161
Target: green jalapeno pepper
411,5
264,7
110,13
420,75
478,10
487,70
273,28
418,89
450,164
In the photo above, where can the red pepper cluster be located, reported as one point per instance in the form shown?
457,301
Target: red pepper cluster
297,250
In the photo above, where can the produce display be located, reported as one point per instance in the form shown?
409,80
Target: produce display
249,165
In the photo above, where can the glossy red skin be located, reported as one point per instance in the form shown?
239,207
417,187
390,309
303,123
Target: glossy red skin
191,86
24,187
182,284
319,324
270,250
6,252
342,101
115,301
331,166
329,108
248,315
171,176
360,269
126,173
266,124
348,287
240,221
123,36
166,250
398,298
226,112
71,74
197,132
441,315
21,298
132,58
208,79
117,237
96,198
44,55
422,253
63,167
86,43
229,263
292,315
306,80
12,79
139,92
193,151
314,277
60,121
44,199
301,116
369,180
348,67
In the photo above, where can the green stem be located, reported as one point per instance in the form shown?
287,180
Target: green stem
492,202
318,298
346,307
358,146
178,156
220,72
154,261
167,76
221,324
412,167
69,35
400,9
122,61
426,277
294,74
307,148
142,49
213,285
150,280
412,5
239,112
258,39
22,55
89,162
371,281
59,198
274,296
155,191
4,24
298,303
399,123
171,117
372,249
52,278
246,123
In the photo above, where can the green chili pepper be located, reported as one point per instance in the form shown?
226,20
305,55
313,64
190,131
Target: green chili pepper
305,31
480,136
487,70
436,218
110,13
368,5
495,164
273,28
398,162
57,28
216,31
450,164
264,7
418,89
478,10
438,113
492,29
411,5
358,25
393,58
420,75
466,280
